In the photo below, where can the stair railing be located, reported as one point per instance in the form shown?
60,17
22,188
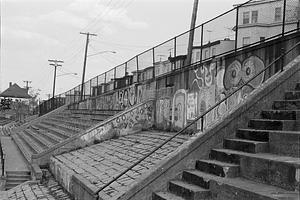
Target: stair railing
201,117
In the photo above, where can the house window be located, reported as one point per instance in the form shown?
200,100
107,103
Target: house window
213,51
254,16
246,41
277,14
198,56
246,17
206,55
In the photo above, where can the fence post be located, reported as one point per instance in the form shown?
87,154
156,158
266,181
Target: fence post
202,123
283,17
96,91
74,96
201,41
236,28
90,87
175,41
282,59
137,69
153,57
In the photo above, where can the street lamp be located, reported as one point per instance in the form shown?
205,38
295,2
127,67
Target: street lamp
66,74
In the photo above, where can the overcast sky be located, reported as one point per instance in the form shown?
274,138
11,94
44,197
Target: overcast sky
33,31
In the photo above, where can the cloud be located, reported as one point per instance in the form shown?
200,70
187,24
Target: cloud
63,17
106,14
22,34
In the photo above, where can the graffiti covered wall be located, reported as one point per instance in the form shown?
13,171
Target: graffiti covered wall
207,85
137,118
121,99
214,81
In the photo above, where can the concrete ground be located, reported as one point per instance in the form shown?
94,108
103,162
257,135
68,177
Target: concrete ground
14,160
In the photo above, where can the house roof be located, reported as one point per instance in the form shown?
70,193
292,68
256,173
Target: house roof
15,91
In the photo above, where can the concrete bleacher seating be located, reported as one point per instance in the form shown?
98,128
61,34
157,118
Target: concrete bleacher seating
4,121
40,135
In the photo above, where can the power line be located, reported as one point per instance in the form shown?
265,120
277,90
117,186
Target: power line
102,27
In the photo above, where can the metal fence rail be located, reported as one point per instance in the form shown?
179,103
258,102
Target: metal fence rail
202,116
170,55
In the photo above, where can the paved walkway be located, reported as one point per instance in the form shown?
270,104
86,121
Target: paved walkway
98,164
14,160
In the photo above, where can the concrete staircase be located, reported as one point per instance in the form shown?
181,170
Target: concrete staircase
262,162
15,178
39,136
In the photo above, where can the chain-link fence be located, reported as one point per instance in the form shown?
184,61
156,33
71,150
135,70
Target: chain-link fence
245,25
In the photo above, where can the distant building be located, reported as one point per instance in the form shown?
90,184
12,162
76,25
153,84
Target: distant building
262,19
212,49
16,92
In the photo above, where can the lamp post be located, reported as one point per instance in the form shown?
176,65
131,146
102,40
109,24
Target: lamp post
101,52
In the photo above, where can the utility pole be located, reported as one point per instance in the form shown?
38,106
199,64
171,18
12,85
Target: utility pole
27,85
56,64
192,31
84,62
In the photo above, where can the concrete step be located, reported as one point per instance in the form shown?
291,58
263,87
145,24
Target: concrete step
39,138
191,176
61,135
101,116
54,137
9,186
17,173
36,139
165,196
280,114
32,143
218,168
97,120
266,124
95,112
26,150
242,189
72,123
17,178
292,95
285,143
67,130
79,119
249,146
272,169
252,134
188,190
286,105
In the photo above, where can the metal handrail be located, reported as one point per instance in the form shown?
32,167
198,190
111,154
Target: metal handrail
199,117
160,44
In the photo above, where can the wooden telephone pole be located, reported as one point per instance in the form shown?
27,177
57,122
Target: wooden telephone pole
56,64
84,62
192,32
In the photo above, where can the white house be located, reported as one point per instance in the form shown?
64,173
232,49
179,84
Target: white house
262,19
